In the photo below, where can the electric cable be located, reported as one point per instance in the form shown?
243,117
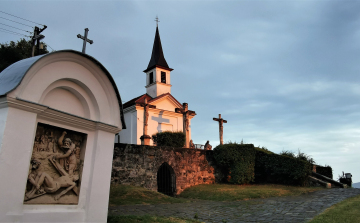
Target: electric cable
16,22
21,18
12,32
15,27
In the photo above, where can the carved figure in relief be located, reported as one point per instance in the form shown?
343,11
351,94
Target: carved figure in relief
207,146
44,183
43,145
69,149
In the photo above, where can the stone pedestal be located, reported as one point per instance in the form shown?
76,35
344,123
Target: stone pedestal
145,140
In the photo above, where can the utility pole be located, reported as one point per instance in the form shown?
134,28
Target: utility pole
85,39
36,38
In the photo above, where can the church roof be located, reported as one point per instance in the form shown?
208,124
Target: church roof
11,77
157,56
150,100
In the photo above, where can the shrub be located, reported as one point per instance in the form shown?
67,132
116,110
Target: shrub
325,171
282,169
237,161
174,139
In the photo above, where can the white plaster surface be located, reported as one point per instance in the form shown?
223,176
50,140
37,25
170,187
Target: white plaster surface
75,85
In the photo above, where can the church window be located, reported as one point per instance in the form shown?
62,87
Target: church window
151,78
163,77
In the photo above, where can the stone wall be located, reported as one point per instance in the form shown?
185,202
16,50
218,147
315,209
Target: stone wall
138,165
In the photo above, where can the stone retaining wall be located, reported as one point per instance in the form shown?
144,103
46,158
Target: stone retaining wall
138,165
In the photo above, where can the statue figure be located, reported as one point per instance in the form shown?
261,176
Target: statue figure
44,183
43,145
207,146
192,145
69,153
187,121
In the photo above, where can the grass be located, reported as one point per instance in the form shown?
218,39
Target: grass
148,219
229,192
346,211
126,195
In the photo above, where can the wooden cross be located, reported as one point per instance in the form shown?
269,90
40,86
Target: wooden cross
157,21
221,121
85,39
186,120
145,139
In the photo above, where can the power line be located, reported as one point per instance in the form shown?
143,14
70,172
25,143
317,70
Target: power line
15,28
50,47
12,32
21,18
16,22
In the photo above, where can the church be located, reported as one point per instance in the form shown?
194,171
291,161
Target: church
157,110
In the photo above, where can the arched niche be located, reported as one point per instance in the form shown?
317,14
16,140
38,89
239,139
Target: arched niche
89,87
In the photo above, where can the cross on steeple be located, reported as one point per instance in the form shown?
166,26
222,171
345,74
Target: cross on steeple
157,21
221,121
85,39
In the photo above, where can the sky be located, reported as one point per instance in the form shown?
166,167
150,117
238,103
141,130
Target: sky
284,74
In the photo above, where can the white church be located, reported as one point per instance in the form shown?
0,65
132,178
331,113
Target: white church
156,110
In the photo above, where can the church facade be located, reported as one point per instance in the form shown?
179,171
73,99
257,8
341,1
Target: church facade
157,110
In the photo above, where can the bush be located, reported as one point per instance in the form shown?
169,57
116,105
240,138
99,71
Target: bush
282,169
237,161
174,139
325,171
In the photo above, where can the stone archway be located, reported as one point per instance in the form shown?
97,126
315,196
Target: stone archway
166,179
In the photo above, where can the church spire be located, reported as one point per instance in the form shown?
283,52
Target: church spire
157,56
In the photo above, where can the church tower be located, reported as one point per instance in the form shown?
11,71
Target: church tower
158,71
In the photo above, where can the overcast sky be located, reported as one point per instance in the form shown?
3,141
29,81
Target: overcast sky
284,74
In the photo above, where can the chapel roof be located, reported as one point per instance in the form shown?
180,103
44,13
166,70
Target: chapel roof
11,77
140,99
157,56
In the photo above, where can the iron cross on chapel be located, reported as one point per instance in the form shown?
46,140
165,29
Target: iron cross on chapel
85,39
221,121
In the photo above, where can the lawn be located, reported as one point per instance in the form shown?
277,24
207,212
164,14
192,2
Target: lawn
347,211
127,195
148,219
231,192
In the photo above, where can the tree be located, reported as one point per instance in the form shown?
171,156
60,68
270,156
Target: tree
13,52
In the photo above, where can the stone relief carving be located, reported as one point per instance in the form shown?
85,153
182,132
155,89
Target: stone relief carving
55,166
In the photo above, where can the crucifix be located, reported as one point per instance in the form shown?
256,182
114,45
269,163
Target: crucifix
221,121
145,138
85,39
186,121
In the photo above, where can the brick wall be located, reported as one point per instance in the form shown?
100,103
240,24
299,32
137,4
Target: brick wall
138,165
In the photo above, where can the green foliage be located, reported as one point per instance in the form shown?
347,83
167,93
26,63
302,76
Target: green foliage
13,52
174,139
325,171
147,219
283,169
237,160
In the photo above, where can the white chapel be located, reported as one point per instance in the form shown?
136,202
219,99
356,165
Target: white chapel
157,110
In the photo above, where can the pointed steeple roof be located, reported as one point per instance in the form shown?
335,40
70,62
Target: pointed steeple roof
157,56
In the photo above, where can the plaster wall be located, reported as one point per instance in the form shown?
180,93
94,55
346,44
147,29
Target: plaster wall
129,134
157,88
3,116
159,121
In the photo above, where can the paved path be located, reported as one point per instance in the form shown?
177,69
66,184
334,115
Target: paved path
278,209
